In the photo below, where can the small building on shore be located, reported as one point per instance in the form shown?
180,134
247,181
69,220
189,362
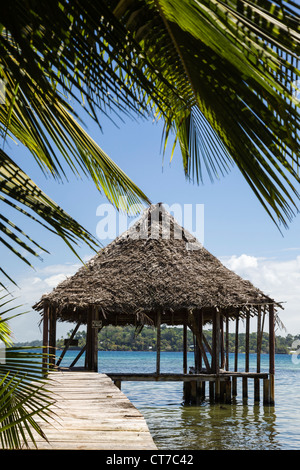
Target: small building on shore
158,273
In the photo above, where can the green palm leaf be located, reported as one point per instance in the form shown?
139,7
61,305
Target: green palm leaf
234,64
18,191
220,75
23,389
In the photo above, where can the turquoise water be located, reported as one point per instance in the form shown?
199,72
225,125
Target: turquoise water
210,426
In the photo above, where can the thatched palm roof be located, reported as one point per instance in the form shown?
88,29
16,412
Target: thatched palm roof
150,268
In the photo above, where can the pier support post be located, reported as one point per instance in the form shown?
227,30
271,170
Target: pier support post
45,339
247,349
228,391
193,391
52,337
187,392
185,348
158,334
245,389
212,391
92,340
236,352
272,353
266,386
258,353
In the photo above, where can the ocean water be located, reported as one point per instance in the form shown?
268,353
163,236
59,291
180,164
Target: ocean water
237,426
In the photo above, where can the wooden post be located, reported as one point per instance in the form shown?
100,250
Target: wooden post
200,384
88,341
158,321
247,342
78,356
258,348
193,391
216,352
216,342
68,343
202,390
200,326
45,338
194,327
95,329
118,383
52,336
223,360
234,379
227,342
247,350
266,391
211,390
213,344
272,353
187,392
185,348
228,391
91,341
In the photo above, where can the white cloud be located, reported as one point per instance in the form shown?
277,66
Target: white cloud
278,279
31,288
54,280
243,262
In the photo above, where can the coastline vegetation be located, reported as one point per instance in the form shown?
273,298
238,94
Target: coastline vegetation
117,338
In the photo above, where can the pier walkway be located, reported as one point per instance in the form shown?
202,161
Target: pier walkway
91,413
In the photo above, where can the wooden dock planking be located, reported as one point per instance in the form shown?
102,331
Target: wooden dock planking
91,413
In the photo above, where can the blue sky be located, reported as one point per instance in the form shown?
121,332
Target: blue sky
236,228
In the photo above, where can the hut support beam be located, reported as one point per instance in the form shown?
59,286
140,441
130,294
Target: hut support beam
68,343
227,343
52,336
158,334
198,353
195,330
223,359
258,351
216,352
247,349
236,352
272,353
78,356
45,338
92,340
185,348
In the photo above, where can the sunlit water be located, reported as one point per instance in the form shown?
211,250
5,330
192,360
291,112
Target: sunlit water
210,426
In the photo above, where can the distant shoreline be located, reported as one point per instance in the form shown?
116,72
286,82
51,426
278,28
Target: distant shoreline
77,348
117,338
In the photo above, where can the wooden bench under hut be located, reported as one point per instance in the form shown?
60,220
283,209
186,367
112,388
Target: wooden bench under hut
158,273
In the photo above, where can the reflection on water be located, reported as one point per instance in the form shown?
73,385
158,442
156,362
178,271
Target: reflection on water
210,426
206,426
215,427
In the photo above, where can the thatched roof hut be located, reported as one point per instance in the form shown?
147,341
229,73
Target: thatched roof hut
158,273
154,266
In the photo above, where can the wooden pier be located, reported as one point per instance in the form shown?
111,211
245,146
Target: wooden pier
222,386
91,413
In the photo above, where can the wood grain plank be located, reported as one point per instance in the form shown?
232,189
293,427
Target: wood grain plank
92,413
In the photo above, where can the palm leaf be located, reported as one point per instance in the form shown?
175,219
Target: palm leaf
220,75
18,191
234,64
23,389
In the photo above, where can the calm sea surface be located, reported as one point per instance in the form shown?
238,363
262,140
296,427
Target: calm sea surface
210,426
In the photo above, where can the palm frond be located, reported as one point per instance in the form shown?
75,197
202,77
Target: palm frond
23,388
234,64
220,74
21,193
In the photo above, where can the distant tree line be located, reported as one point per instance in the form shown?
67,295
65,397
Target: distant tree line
117,338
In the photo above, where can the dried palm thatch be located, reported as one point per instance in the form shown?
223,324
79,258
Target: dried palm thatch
155,266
